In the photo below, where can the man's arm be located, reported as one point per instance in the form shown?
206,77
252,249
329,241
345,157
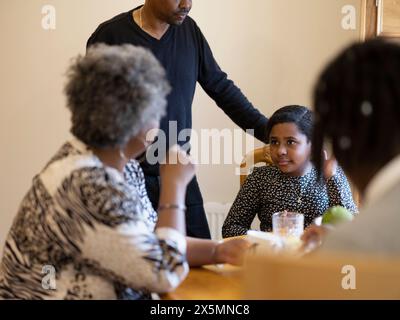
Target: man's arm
226,94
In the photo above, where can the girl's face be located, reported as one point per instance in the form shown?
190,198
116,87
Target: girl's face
290,150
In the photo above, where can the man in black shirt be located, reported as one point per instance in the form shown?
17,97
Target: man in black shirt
175,39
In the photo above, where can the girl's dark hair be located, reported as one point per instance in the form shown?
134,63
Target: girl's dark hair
357,107
299,115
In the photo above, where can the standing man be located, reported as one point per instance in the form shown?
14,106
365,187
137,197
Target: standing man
163,26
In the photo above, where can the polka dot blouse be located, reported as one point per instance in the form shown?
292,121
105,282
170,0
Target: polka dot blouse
267,190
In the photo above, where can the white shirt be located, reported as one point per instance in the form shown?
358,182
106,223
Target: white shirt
376,228
383,181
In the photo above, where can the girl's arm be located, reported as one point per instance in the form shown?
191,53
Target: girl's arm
339,191
245,207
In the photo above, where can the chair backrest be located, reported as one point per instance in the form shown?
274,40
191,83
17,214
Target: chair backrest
356,195
259,155
263,155
327,276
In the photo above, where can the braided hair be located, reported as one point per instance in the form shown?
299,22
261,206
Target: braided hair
357,108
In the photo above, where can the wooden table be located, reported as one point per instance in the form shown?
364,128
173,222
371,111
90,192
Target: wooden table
216,282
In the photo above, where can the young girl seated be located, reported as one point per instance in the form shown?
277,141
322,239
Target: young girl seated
291,183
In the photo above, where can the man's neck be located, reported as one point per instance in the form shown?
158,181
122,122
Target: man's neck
149,23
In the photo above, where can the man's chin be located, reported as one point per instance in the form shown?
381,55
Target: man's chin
176,23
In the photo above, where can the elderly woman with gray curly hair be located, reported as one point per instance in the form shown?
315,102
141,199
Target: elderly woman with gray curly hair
86,228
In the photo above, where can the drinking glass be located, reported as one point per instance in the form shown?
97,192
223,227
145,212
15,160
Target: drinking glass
288,224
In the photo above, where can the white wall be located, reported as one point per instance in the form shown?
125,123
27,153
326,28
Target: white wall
272,49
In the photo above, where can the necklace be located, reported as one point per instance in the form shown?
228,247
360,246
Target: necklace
306,183
137,17
152,31
300,194
140,18
299,199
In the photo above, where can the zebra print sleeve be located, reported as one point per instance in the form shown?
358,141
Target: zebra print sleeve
115,239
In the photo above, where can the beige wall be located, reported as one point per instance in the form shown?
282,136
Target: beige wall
273,49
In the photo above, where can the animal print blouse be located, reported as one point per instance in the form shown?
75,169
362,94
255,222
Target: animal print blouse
86,231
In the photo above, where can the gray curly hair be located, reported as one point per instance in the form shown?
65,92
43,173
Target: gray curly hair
113,92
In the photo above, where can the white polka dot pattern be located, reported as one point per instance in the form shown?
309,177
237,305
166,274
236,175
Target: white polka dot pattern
267,190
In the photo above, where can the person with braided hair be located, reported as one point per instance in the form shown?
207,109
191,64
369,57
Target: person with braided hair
357,107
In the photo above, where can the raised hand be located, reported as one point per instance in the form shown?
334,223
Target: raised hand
330,166
178,169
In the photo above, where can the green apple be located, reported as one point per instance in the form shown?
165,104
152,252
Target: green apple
336,215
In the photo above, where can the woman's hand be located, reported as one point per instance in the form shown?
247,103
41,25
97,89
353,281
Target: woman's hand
178,169
313,233
175,176
330,166
231,251
313,236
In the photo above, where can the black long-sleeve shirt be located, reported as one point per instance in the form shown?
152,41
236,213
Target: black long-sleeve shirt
187,58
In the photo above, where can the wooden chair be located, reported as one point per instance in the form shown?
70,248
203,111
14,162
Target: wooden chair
356,195
333,276
259,155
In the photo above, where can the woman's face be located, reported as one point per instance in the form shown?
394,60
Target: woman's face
138,144
290,150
